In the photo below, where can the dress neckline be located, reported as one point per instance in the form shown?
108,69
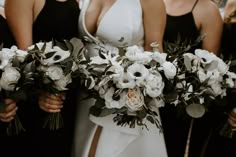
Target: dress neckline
105,15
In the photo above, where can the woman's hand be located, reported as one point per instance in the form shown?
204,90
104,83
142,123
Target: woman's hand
232,120
9,111
51,102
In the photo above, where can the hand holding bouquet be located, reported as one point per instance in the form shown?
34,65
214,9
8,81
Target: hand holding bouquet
15,80
55,65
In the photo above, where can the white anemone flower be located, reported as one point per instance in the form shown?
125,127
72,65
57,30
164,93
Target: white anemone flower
222,66
138,72
60,55
114,101
209,59
126,82
191,61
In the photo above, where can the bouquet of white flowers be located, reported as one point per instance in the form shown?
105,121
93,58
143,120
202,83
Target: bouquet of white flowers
127,83
55,66
15,79
202,77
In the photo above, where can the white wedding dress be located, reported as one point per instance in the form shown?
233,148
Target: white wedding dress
122,21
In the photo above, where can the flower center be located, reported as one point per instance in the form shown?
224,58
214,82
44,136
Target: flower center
137,74
116,97
56,57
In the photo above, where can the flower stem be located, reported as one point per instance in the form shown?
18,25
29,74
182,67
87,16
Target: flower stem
186,154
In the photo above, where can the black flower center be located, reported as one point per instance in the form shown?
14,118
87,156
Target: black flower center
137,74
56,57
116,97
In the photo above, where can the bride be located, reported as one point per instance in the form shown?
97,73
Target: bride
136,22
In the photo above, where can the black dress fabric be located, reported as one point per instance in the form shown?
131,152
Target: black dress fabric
6,36
218,145
176,123
181,27
57,20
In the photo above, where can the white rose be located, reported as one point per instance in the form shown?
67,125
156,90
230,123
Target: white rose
134,99
9,78
6,56
154,92
154,85
112,101
63,82
159,57
154,80
134,53
169,70
54,72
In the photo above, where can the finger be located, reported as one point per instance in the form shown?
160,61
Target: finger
232,123
49,110
7,119
54,97
9,101
232,118
7,115
54,102
233,129
51,104
11,107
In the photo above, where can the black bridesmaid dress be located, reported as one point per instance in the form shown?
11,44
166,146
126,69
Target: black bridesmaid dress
6,37
58,21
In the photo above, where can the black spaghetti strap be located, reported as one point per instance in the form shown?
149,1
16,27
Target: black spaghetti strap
194,5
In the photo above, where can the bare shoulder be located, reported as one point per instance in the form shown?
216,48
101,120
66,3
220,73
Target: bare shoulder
19,3
206,8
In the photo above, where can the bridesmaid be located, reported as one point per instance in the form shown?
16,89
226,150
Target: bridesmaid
186,20
32,21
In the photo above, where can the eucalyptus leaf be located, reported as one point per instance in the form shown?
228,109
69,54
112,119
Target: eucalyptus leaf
150,119
195,110
100,52
105,112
